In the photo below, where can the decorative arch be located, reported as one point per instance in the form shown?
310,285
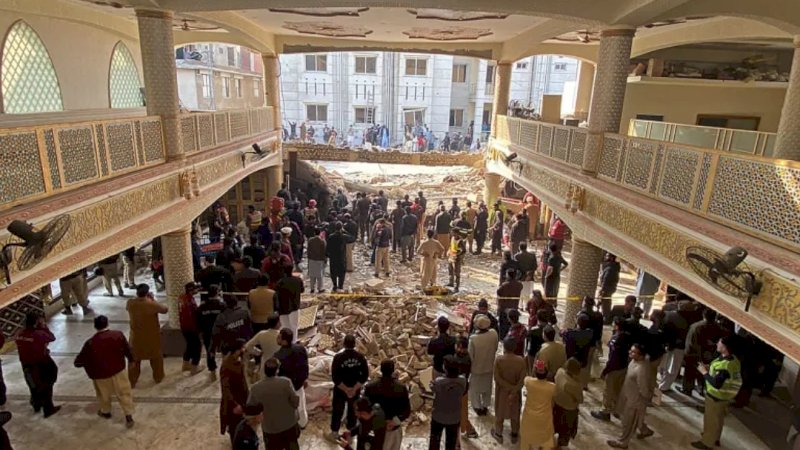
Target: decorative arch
29,80
124,83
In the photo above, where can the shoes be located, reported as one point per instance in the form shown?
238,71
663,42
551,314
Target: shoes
700,445
601,415
213,374
312,291
645,434
86,310
187,366
376,275
471,434
616,444
129,422
52,411
128,286
514,438
67,311
321,291
108,294
104,415
717,444
402,261
450,284
121,294
497,437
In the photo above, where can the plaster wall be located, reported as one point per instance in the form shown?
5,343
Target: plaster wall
81,56
682,104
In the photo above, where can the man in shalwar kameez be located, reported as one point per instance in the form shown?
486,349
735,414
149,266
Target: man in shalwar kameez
537,418
430,250
633,400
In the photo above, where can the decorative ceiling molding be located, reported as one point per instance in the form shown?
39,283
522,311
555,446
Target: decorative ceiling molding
450,15
447,33
329,29
322,12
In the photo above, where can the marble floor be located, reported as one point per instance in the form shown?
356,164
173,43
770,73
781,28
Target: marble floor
182,411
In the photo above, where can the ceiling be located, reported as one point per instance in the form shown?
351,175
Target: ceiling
506,30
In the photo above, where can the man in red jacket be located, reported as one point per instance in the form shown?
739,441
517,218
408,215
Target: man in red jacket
103,356
39,368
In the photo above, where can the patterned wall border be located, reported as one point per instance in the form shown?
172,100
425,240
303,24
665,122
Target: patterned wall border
321,152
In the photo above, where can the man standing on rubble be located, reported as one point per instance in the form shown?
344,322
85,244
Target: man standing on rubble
430,249
442,224
392,396
507,298
455,258
481,227
349,372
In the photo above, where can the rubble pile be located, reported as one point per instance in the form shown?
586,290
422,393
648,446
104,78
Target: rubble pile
396,328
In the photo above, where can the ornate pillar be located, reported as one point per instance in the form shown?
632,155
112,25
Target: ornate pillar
272,87
491,190
787,144
610,81
502,86
178,270
584,267
160,79
583,98
274,180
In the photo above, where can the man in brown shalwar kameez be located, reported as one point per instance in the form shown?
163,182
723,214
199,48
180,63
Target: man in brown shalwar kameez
145,338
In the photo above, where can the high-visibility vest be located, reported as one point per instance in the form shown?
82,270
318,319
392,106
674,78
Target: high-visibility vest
731,386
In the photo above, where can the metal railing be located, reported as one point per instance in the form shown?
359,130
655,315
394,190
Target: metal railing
42,160
757,195
757,143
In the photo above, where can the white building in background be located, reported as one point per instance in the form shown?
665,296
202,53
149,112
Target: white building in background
446,93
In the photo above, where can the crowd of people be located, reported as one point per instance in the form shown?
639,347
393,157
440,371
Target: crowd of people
247,318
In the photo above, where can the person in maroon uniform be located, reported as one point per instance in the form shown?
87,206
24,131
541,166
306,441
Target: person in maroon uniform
39,368
104,357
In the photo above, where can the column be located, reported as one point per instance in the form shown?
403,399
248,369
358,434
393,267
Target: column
272,87
274,180
584,267
502,86
178,270
787,144
160,79
610,81
491,190
583,97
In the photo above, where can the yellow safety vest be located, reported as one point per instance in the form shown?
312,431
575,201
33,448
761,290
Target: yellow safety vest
731,386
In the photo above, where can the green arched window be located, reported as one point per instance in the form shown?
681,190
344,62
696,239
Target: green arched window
29,79
124,87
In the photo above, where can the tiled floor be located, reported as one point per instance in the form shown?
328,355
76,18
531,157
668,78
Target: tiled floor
182,411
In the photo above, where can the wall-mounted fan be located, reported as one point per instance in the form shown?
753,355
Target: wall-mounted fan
36,244
728,273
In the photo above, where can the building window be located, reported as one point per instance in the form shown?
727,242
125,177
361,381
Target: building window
316,63
226,87
256,87
317,113
489,74
456,117
124,87
366,64
413,117
29,80
205,81
560,66
416,66
364,114
459,73
238,83
522,65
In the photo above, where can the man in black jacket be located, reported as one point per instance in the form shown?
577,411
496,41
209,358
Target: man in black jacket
676,327
294,366
616,367
407,233
337,256
350,228
207,313
349,372
442,225
392,396
288,291
396,217
370,431
440,346
213,274
231,324
481,227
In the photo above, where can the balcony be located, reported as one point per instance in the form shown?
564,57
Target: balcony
756,143
44,160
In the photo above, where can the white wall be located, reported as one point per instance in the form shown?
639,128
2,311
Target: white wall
187,88
81,56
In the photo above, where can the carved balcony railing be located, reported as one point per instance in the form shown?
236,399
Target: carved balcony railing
42,160
741,141
202,131
755,195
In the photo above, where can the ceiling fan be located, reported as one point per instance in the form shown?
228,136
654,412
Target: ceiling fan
582,36
728,273
36,244
186,26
